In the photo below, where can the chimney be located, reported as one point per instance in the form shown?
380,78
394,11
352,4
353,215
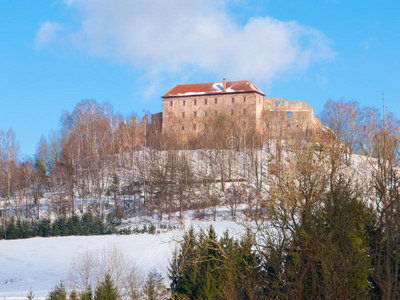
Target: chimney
224,86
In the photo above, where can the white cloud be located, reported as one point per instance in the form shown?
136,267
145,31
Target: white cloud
46,34
178,35
366,45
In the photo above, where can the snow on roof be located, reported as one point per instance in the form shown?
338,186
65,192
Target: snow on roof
219,86
191,93
239,86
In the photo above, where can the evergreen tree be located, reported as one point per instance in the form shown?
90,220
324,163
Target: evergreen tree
206,268
329,255
44,227
183,272
153,287
30,295
40,170
87,295
58,293
12,230
25,230
73,296
106,290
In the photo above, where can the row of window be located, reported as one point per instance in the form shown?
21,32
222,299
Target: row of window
206,101
244,124
205,126
216,113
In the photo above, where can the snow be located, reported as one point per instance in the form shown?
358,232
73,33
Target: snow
40,263
254,88
191,93
218,86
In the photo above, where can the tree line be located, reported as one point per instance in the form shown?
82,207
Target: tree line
323,221
95,163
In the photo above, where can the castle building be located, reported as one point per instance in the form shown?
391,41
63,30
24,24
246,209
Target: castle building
188,108
196,110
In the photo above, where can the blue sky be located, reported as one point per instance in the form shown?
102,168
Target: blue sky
53,54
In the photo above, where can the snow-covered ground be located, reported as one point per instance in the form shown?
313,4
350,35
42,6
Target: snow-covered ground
40,263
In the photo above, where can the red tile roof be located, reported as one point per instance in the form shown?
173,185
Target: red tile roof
210,88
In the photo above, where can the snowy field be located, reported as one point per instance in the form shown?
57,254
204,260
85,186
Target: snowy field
40,263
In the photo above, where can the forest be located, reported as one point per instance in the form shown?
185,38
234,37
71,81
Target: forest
321,214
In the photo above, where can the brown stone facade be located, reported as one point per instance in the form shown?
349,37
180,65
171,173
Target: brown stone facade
191,111
135,135
192,115
285,119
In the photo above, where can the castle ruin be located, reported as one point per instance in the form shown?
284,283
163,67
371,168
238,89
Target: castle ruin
190,110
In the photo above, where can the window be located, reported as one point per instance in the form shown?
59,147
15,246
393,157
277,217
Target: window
233,100
244,111
194,126
205,101
216,113
276,102
184,102
195,114
232,112
244,99
267,125
183,115
195,101
289,115
183,127
216,100
205,126
205,114
170,103
244,124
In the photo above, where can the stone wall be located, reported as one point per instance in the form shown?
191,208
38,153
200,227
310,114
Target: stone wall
282,119
134,135
192,114
186,117
189,116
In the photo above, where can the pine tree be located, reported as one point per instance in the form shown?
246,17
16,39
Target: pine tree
30,295
206,268
330,249
12,232
184,272
58,293
106,290
87,295
40,170
153,287
73,296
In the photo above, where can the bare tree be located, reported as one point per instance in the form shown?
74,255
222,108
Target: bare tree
88,269
385,161
83,272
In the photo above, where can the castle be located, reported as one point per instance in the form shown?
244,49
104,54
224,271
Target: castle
190,110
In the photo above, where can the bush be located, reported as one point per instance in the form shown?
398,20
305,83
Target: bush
152,229
126,231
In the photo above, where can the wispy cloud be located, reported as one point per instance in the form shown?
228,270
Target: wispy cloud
46,34
178,36
366,45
